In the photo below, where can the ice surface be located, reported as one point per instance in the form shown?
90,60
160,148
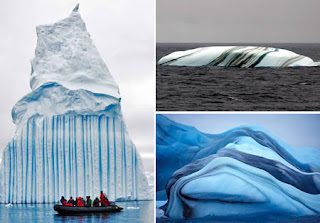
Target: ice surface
70,138
242,172
65,54
237,56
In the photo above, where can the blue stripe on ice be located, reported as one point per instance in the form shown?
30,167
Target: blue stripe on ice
14,170
5,174
122,160
132,169
21,145
136,172
33,171
91,149
108,155
43,162
83,157
53,157
27,163
57,155
64,155
115,157
87,151
70,170
10,169
75,152
100,158
47,153
125,160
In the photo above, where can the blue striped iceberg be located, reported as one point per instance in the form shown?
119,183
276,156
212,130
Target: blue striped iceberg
70,138
237,56
242,172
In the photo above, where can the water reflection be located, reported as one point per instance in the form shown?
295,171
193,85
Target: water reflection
137,211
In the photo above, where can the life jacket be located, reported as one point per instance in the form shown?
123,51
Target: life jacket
80,202
88,202
104,202
68,204
102,196
63,201
96,203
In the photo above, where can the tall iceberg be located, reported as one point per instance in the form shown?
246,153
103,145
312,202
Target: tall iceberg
70,138
243,172
237,56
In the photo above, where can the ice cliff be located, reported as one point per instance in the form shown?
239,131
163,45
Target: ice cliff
237,56
70,138
241,172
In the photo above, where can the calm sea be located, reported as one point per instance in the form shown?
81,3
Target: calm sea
135,211
238,89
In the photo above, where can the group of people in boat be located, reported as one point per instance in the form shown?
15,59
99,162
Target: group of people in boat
79,202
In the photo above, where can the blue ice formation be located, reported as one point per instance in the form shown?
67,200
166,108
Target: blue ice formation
237,56
242,172
70,138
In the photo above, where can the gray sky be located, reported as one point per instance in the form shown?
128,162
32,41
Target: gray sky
238,21
123,32
298,130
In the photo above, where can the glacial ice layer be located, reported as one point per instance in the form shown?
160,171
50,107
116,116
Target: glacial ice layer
237,56
70,138
242,172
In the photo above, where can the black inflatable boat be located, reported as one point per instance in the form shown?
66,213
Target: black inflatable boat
83,210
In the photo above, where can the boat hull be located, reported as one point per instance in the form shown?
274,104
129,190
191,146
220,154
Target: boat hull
83,210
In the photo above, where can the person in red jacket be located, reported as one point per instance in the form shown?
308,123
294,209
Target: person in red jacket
80,202
64,202
103,200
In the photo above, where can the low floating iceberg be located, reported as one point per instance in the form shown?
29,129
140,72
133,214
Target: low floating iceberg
237,56
70,138
242,172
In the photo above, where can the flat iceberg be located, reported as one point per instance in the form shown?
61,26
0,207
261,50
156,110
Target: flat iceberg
242,172
70,138
237,56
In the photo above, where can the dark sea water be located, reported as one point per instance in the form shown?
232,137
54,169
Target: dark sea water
238,89
135,211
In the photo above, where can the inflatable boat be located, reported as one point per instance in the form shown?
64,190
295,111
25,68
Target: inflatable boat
83,210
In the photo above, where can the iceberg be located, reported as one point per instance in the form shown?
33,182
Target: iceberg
70,137
242,172
237,56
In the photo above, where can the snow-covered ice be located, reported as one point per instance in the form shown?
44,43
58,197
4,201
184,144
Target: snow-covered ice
70,138
237,56
242,172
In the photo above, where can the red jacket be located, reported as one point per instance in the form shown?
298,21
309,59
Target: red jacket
64,203
102,195
104,200
80,202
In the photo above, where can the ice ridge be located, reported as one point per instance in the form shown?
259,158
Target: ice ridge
242,172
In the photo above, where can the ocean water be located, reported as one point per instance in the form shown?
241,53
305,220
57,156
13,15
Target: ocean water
238,89
134,211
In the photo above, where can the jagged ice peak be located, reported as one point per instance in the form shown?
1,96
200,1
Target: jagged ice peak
65,54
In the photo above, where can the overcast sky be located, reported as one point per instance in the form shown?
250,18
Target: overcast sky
298,130
238,21
123,32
